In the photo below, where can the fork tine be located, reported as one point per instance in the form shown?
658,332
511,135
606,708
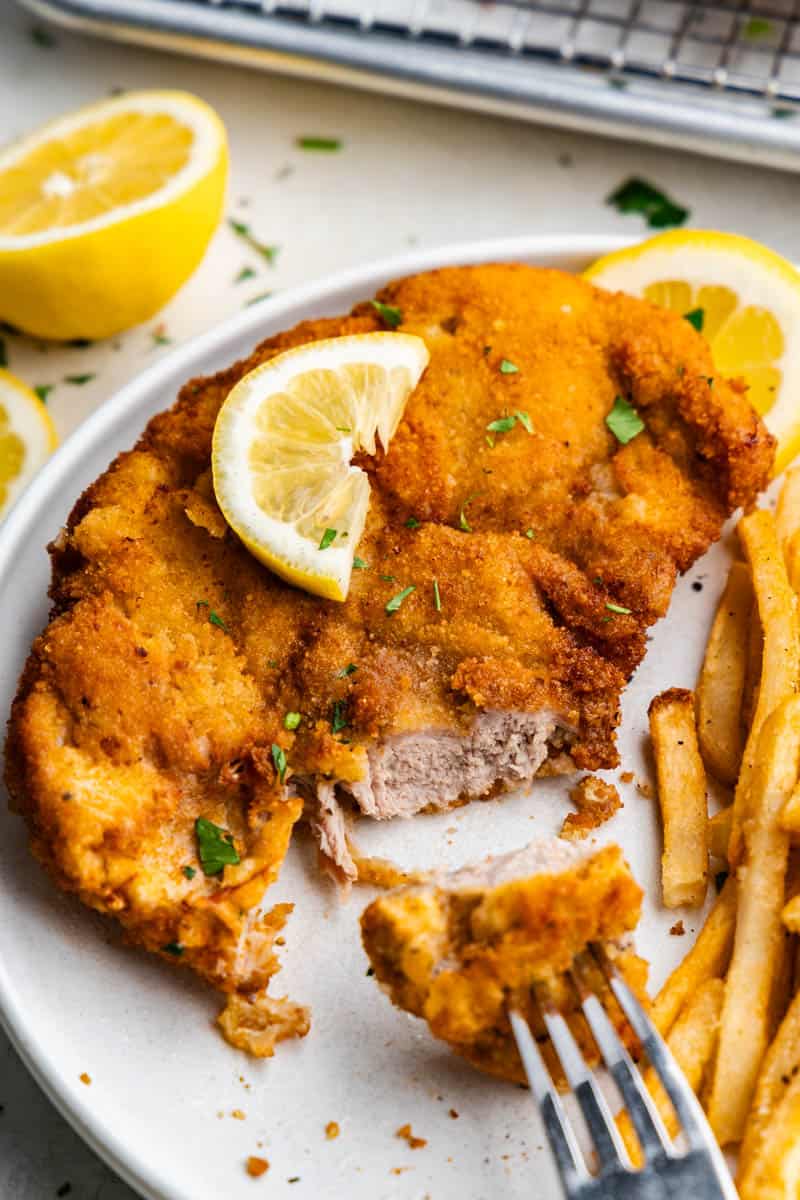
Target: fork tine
556,1123
653,1137
681,1096
601,1125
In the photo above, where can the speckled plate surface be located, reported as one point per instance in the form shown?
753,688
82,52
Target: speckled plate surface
164,1085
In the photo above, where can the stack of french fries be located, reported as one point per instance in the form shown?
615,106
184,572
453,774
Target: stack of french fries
731,1010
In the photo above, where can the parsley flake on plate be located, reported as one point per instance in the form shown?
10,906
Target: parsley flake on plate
395,602
389,314
756,28
245,273
291,720
639,196
624,421
327,539
267,252
79,380
215,847
326,144
696,318
43,390
279,759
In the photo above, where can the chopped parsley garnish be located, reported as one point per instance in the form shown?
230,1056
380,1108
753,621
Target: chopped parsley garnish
781,112
257,299
696,318
216,619
617,608
79,380
173,948
395,602
530,533
437,599
43,390
624,421
3,354
507,367
490,441
638,196
412,523
245,273
389,314
327,539
338,716
359,564
279,759
318,143
524,421
160,338
350,669
387,578
502,424
291,720
215,847
189,872
757,27
269,253
463,523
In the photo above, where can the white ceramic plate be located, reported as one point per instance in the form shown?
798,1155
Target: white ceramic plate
73,1000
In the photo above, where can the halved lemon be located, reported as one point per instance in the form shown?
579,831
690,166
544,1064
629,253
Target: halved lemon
27,437
283,445
106,212
749,301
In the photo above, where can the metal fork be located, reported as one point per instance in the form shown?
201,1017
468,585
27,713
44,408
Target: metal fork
695,1171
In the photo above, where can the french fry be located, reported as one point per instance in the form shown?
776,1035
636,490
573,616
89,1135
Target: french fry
777,610
720,687
719,832
707,959
692,1041
758,941
787,510
773,1123
791,553
682,796
790,817
752,671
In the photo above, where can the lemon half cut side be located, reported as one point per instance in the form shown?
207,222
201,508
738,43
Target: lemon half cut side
283,445
105,212
27,437
749,298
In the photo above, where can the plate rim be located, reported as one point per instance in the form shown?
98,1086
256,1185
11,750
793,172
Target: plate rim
98,1132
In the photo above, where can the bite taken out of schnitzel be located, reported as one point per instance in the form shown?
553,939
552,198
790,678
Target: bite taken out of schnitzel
565,455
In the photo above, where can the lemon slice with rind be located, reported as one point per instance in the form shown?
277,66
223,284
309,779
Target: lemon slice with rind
27,438
106,211
745,298
283,447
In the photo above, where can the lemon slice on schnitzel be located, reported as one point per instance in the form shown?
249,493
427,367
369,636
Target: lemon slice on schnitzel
27,437
283,445
743,297
105,212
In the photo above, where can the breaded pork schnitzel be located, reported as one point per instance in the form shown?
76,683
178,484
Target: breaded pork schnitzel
464,947
157,694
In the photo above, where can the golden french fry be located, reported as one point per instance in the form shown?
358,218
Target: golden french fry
790,817
682,796
692,1041
773,1123
777,610
720,687
752,671
707,959
719,832
791,553
787,510
758,941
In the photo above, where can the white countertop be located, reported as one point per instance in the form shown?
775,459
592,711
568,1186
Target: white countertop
406,174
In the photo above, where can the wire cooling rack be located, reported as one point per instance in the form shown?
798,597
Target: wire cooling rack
717,76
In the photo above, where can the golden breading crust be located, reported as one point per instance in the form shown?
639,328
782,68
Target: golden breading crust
461,954
138,712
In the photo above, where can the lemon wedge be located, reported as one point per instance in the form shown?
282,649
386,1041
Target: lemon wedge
106,212
283,444
743,297
27,437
